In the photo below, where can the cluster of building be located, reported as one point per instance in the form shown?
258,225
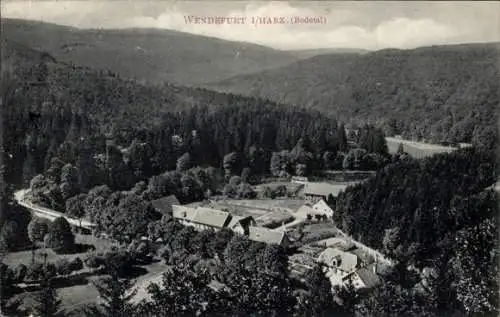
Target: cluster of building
204,218
344,264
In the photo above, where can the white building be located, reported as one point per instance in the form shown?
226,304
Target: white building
322,208
343,267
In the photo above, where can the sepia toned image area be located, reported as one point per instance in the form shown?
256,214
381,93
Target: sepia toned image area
249,159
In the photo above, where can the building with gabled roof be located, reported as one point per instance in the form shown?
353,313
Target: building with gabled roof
164,205
313,192
269,236
363,278
209,219
322,208
303,211
345,262
183,214
240,224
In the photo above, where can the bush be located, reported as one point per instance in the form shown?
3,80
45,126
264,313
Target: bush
35,271
60,237
267,192
93,261
120,262
280,191
76,264
20,273
63,267
50,270
37,229
9,234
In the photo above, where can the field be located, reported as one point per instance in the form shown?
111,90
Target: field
264,204
291,188
24,257
314,232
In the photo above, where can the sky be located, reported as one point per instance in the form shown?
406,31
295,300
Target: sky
359,24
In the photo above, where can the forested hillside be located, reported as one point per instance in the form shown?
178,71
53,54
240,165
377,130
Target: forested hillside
147,54
439,93
439,213
53,108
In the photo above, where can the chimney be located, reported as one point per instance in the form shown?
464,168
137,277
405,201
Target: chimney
375,268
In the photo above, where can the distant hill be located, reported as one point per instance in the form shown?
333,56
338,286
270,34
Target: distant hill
438,92
147,54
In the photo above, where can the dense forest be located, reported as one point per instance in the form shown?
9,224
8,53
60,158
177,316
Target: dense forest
439,213
72,129
438,93
80,116
83,108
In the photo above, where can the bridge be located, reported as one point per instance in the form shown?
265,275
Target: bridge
49,214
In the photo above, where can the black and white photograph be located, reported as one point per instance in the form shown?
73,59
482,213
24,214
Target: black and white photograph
249,158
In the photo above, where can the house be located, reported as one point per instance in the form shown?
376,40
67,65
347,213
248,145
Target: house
183,215
322,208
314,192
210,219
164,205
340,262
363,256
364,278
268,236
240,225
343,268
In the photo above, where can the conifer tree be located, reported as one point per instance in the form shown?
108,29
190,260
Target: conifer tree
115,296
47,302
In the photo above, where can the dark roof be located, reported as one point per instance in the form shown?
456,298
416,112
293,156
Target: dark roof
164,204
243,221
211,217
369,278
266,235
362,255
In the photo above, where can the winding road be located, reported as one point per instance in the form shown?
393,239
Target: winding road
47,213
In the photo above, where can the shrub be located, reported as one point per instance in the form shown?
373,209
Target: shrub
60,237
37,229
35,271
76,264
20,273
10,233
280,191
94,261
63,267
50,270
120,262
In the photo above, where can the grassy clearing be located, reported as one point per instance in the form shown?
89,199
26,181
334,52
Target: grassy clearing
265,204
315,231
274,219
25,257
75,298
